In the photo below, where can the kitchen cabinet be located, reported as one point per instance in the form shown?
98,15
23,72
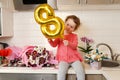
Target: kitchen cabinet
95,77
101,2
98,1
71,77
7,4
24,76
87,77
67,2
88,4
6,22
116,1
52,3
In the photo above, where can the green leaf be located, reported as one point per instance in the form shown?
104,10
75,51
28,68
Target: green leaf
85,50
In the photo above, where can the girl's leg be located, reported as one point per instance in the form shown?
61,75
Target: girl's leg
77,65
63,68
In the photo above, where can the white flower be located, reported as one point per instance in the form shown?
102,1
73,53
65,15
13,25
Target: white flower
93,56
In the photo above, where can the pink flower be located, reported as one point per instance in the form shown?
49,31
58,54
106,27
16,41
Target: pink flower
86,40
87,48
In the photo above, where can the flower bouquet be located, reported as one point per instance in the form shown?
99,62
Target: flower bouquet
95,58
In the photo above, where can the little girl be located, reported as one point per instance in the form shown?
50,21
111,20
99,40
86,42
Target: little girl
67,54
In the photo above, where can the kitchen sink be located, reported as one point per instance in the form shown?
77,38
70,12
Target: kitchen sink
113,60
110,63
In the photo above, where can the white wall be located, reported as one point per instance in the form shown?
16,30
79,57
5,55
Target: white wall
102,26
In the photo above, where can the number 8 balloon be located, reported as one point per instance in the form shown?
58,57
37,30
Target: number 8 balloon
49,20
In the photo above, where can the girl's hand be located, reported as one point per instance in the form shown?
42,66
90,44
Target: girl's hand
49,39
65,42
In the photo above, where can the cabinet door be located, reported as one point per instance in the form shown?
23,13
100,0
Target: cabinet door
103,78
71,77
93,77
67,2
48,77
7,4
23,76
116,1
6,21
98,1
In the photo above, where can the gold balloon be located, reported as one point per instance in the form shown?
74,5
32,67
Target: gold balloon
47,20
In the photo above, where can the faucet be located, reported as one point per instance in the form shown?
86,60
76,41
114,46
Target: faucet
112,56
116,56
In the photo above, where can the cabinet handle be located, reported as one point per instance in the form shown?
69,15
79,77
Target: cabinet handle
112,1
85,1
78,1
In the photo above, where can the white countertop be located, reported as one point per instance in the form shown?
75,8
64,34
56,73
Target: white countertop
109,73
112,74
45,70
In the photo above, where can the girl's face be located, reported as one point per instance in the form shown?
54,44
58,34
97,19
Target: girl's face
70,26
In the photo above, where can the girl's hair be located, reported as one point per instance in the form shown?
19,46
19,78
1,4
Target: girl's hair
75,19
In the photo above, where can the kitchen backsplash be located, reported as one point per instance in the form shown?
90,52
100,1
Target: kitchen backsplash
101,26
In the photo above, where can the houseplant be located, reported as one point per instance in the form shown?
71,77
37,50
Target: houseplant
87,47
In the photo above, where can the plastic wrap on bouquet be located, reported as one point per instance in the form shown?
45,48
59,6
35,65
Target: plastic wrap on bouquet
37,56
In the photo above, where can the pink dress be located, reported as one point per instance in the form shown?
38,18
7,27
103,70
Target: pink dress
67,53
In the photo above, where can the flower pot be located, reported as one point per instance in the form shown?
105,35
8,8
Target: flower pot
95,65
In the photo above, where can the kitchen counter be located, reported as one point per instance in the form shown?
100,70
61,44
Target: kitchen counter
108,73
45,70
111,73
